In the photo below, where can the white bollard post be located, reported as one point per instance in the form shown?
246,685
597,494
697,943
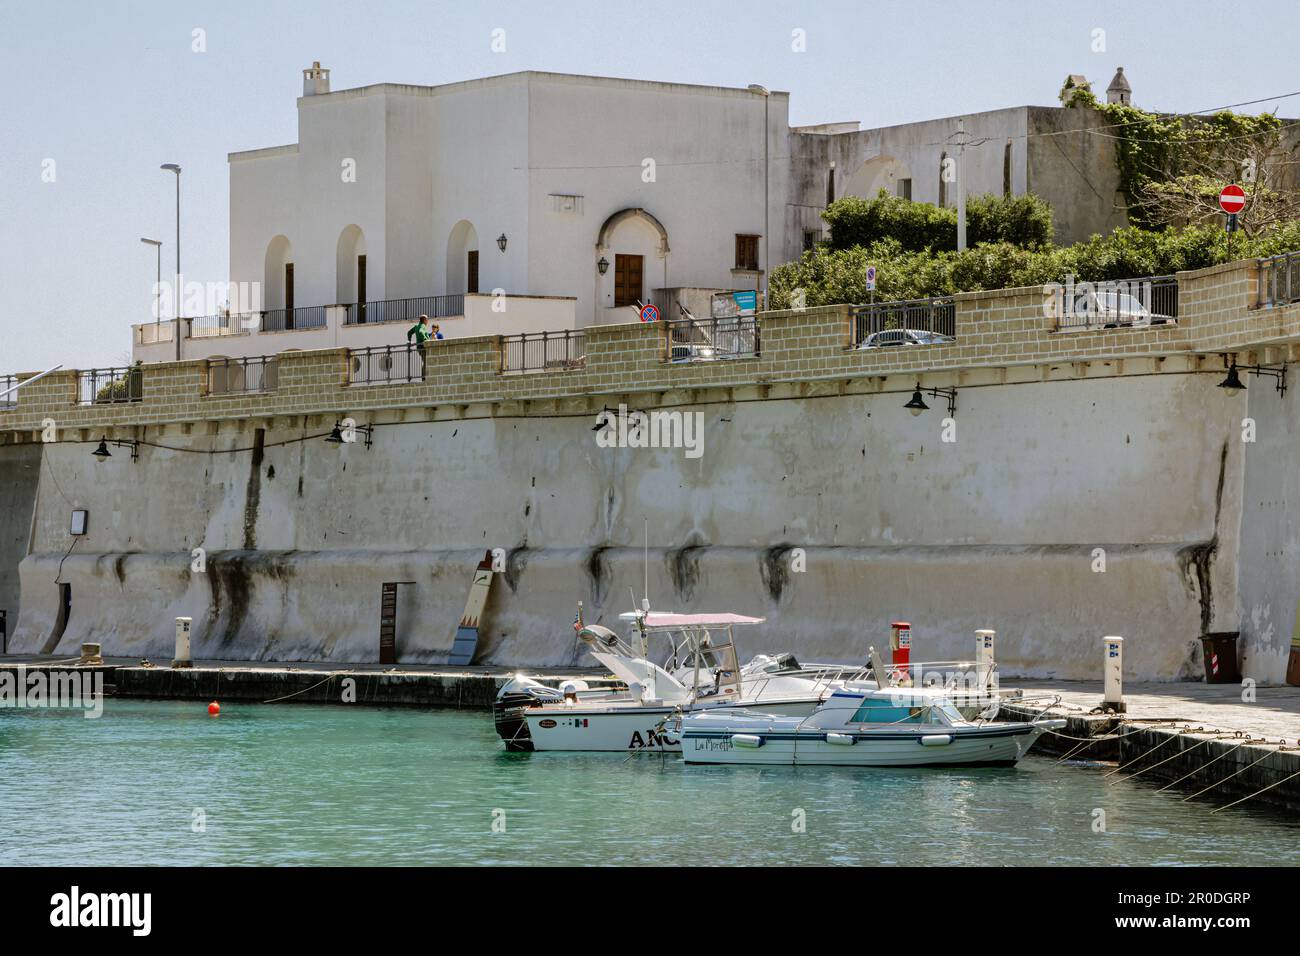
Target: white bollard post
1113,674
182,658
984,658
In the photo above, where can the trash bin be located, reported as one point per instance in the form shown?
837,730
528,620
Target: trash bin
1221,657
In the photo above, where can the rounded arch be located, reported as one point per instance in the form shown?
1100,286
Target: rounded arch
462,267
348,266
609,225
276,283
880,172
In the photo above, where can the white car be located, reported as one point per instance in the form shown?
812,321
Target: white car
891,338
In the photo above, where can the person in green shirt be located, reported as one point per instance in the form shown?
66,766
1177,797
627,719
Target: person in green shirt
420,330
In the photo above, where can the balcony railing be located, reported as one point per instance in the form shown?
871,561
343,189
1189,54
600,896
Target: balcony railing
708,340
206,326
1113,304
1279,279
241,375
110,386
388,364
294,320
405,310
154,333
543,351
10,400
905,322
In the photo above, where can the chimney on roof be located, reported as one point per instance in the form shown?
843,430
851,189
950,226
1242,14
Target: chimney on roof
315,80
1074,82
1119,91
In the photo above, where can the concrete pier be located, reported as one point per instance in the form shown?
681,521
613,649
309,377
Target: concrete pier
1202,738
306,682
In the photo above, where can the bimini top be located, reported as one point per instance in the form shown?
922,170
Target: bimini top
711,619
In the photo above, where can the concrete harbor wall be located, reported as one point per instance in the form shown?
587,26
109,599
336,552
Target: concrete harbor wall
999,528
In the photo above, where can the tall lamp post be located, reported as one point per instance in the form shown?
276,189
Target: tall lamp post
157,285
767,242
176,292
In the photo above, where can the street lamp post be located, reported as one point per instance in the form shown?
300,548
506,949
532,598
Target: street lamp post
767,242
157,285
176,292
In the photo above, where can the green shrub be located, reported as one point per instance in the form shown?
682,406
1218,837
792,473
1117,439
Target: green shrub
1020,220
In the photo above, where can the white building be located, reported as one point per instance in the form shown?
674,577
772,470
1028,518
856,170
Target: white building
542,201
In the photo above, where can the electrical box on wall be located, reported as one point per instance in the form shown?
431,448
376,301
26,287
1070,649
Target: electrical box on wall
80,521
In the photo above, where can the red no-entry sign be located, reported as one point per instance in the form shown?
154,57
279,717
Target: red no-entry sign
1232,199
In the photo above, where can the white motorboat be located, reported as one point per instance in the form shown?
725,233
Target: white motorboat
701,673
858,725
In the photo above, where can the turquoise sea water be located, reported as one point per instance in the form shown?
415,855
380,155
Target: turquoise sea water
299,784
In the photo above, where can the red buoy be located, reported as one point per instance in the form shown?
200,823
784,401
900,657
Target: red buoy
214,708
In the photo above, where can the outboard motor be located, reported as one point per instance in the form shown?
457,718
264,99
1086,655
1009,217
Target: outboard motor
508,709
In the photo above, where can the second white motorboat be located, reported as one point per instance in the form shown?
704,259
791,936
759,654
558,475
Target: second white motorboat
701,673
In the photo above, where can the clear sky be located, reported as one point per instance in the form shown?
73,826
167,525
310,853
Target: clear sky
109,89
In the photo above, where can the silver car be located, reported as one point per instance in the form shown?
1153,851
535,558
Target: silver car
891,338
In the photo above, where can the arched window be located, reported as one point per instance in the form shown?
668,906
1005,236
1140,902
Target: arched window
943,180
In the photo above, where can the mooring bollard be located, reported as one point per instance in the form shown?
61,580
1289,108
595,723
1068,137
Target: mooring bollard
182,658
1113,675
984,658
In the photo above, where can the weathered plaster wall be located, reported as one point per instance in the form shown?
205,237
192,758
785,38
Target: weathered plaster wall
995,530
19,471
1270,539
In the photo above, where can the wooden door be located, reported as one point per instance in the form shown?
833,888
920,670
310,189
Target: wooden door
471,271
628,288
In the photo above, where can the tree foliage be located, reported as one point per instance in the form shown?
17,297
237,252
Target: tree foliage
1019,220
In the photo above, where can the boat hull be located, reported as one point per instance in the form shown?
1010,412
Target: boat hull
621,730
1002,746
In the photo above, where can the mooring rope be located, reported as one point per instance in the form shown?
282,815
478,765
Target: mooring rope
1256,793
1204,765
303,691
1140,756
1230,776
1167,759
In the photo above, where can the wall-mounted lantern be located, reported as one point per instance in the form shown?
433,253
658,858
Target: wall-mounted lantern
1233,383
501,242
335,437
916,404
103,454
602,266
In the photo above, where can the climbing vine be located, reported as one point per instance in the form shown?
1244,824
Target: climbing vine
1172,167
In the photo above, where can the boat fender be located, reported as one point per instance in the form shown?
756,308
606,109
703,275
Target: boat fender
746,740
936,740
844,740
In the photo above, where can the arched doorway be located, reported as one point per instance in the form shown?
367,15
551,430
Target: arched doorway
630,241
277,281
462,258
350,272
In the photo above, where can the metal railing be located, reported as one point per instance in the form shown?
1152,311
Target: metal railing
405,310
1279,279
10,400
228,376
294,320
543,351
708,340
206,326
881,324
153,333
387,364
110,386
1113,304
